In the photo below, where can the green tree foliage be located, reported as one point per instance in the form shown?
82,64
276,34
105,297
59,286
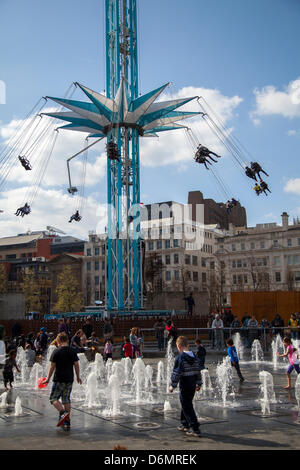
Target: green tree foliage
31,288
69,297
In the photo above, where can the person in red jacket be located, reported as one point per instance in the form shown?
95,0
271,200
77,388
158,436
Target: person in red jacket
128,349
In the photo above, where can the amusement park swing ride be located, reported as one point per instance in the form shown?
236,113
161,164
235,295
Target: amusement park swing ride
122,116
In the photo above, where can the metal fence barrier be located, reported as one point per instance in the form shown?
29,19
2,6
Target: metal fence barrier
248,335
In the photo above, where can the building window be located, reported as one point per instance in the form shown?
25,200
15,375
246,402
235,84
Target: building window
167,244
168,275
203,278
151,246
159,244
252,246
203,262
103,265
243,246
96,265
176,275
168,259
103,249
176,258
297,276
97,295
289,242
195,276
89,252
175,243
290,259
97,280
296,259
195,260
233,247
278,277
239,263
212,265
97,251
234,279
187,259
276,260
245,279
233,264
262,244
275,243
88,266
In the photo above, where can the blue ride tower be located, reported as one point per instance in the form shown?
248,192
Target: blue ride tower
122,117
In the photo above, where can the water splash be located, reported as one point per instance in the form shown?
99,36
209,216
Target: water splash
224,380
3,402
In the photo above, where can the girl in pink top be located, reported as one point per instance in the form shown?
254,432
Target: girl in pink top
290,352
108,349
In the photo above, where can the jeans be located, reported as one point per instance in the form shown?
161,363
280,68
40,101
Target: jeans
160,343
237,368
188,416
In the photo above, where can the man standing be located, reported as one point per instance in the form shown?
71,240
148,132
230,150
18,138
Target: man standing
190,303
62,361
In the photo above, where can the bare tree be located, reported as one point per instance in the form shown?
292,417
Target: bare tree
290,279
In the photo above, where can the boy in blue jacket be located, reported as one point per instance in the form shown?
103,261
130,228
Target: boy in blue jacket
186,372
234,359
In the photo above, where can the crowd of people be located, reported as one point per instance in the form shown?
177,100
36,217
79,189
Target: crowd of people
64,360
224,325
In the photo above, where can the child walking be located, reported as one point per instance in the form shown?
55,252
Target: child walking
108,349
8,374
187,373
62,362
128,349
234,359
291,353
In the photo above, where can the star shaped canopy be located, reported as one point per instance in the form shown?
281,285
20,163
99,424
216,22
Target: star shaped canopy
99,116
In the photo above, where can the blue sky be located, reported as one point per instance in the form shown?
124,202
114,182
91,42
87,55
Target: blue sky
229,48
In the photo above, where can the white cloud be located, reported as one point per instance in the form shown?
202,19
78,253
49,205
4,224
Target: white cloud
51,207
293,186
293,132
271,101
173,147
54,205
67,144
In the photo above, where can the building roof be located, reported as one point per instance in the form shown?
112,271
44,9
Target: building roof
21,239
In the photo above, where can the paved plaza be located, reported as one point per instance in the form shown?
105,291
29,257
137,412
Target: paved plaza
238,425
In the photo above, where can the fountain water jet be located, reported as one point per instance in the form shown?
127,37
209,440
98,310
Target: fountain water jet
139,374
266,391
257,353
18,407
277,347
237,340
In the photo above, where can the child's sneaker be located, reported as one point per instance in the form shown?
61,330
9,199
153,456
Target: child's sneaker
67,424
194,433
63,415
183,428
